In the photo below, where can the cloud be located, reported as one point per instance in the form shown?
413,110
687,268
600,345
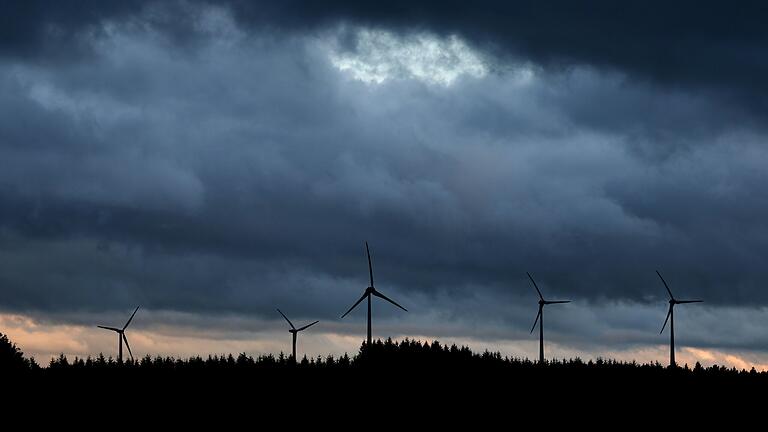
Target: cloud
241,169
706,48
380,55
207,157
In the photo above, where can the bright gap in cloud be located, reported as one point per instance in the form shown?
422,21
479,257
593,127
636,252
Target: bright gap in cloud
378,56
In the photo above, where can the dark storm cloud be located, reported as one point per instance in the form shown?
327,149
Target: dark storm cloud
39,27
178,166
690,44
696,45
52,31
665,41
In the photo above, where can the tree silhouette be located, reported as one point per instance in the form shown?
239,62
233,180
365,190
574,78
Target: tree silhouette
441,367
12,358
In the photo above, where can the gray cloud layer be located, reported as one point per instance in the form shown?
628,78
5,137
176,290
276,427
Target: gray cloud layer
707,47
245,171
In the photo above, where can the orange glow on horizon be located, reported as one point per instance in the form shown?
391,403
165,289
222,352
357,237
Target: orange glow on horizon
44,341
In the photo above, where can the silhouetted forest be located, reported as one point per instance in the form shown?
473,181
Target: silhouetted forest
397,375
395,355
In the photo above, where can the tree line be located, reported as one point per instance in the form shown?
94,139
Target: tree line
388,354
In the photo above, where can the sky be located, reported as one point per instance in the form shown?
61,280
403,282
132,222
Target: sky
211,161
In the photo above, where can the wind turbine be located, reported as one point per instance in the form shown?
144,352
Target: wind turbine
294,331
121,337
671,318
540,317
371,291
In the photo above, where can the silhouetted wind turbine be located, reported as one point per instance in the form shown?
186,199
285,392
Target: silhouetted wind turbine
368,293
293,330
671,318
540,317
121,337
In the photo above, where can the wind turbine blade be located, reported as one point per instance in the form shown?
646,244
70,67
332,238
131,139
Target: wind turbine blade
125,339
665,285
380,295
557,301
536,320
690,301
131,318
535,286
370,267
667,319
109,328
354,305
307,326
286,318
